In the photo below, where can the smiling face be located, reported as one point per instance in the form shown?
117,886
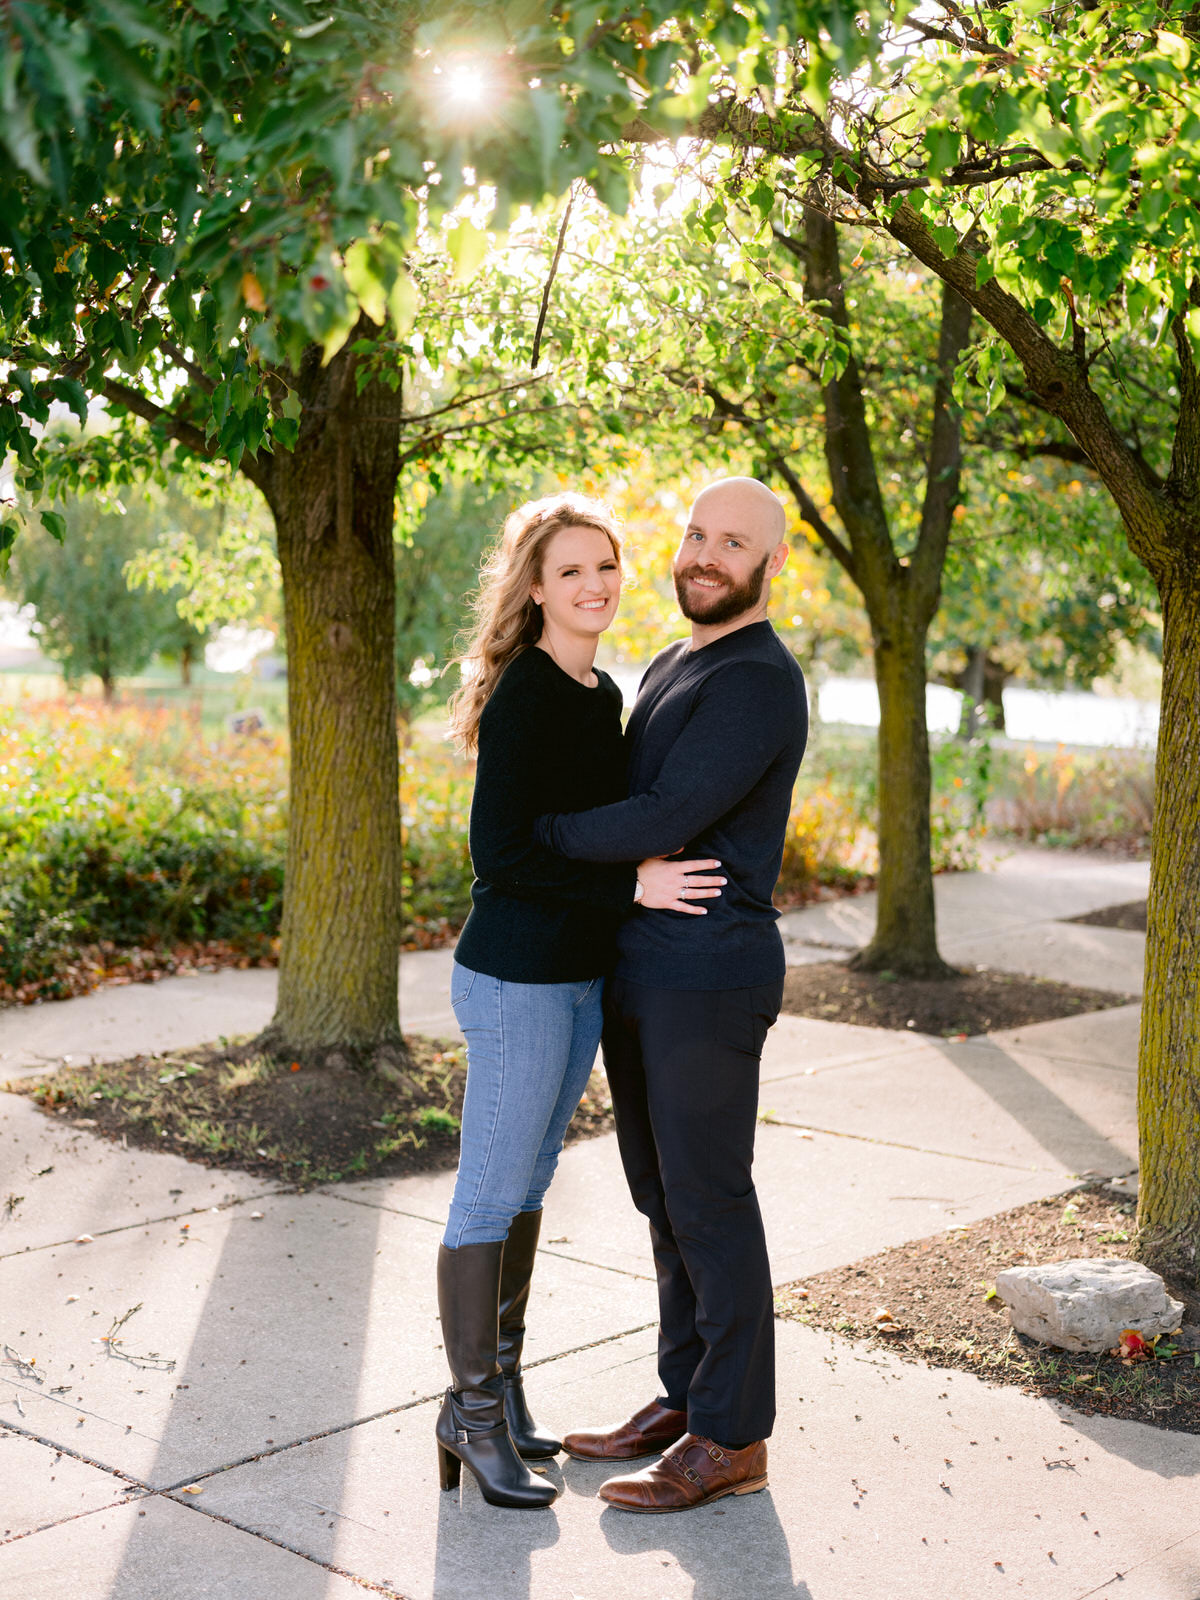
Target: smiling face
580,582
732,546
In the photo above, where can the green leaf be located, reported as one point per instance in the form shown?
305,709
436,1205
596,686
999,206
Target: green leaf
942,142
9,528
467,245
364,281
55,524
984,272
72,393
762,198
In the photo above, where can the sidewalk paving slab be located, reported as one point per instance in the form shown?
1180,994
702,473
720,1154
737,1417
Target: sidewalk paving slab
40,1486
809,1044
1013,890
977,1099
825,1201
888,1482
1100,1038
324,1311
68,1182
160,1550
1068,952
179,1013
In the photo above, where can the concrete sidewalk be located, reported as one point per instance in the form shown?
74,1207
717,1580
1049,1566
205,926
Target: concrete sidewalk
264,1426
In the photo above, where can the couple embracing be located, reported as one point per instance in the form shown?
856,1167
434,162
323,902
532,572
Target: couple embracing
623,889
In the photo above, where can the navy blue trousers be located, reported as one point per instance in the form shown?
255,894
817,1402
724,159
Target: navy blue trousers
683,1067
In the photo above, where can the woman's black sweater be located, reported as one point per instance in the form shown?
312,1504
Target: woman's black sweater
546,744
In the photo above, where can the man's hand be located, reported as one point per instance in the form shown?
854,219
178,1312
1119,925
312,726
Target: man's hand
673,885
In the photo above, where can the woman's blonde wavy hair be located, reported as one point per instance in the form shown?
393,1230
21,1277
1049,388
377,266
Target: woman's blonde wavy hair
507,619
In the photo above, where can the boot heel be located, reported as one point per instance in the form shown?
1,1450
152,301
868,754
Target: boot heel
449,1468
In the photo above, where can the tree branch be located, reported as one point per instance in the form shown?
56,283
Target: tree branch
1184,479
943,473
809,513
959,41
196,373
545,306
853,479
179,428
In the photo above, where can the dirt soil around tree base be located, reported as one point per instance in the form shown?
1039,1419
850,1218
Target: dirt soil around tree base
277,1118
976,1001
934,1300
1130,917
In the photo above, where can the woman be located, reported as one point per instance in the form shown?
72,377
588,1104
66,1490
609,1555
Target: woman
529,966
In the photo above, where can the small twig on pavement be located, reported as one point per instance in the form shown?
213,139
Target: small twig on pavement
113,1345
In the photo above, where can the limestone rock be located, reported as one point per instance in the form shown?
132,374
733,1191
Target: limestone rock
1084,1305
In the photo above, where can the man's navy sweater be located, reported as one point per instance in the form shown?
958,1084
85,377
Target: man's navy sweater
716,739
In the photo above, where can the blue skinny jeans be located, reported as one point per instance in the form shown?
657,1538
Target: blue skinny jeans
530,1050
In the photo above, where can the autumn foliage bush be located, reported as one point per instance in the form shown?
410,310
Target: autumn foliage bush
127,829
130,834
1094,800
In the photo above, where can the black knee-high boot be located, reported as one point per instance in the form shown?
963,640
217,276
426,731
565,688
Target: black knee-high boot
520,1249
471,1428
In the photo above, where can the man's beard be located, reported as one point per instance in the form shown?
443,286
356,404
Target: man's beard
724,607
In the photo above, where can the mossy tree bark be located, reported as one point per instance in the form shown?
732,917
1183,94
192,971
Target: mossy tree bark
333,499
1161,514
901,593
1169,1057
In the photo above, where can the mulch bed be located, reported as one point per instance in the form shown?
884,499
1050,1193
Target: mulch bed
238,1106
94,966
1131,917
978,1001
933,1300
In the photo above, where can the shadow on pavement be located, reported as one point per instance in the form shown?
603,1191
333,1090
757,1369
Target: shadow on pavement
275,1356
735,1547
1057,1126
469,1534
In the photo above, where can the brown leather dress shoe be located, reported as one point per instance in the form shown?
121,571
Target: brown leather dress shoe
652,1429
693,1473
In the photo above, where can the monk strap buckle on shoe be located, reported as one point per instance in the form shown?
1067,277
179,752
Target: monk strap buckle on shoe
718,1455
692,1477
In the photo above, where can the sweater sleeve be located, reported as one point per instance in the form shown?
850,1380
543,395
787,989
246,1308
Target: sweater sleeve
742,718
505,851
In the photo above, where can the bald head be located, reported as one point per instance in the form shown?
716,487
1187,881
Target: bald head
744,505
732,547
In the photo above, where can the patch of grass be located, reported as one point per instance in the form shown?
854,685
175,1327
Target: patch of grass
934,1300
238,1105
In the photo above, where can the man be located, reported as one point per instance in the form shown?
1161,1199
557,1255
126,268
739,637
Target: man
716,740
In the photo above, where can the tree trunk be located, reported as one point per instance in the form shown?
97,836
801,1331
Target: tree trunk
1169,1058
971,684
993,693
905,938
333,500
185,665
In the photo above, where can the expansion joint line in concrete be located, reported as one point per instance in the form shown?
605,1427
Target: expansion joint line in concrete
378,1416
137,1489
895,1144
281,1544
147,1222
559,1255
1119,1577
